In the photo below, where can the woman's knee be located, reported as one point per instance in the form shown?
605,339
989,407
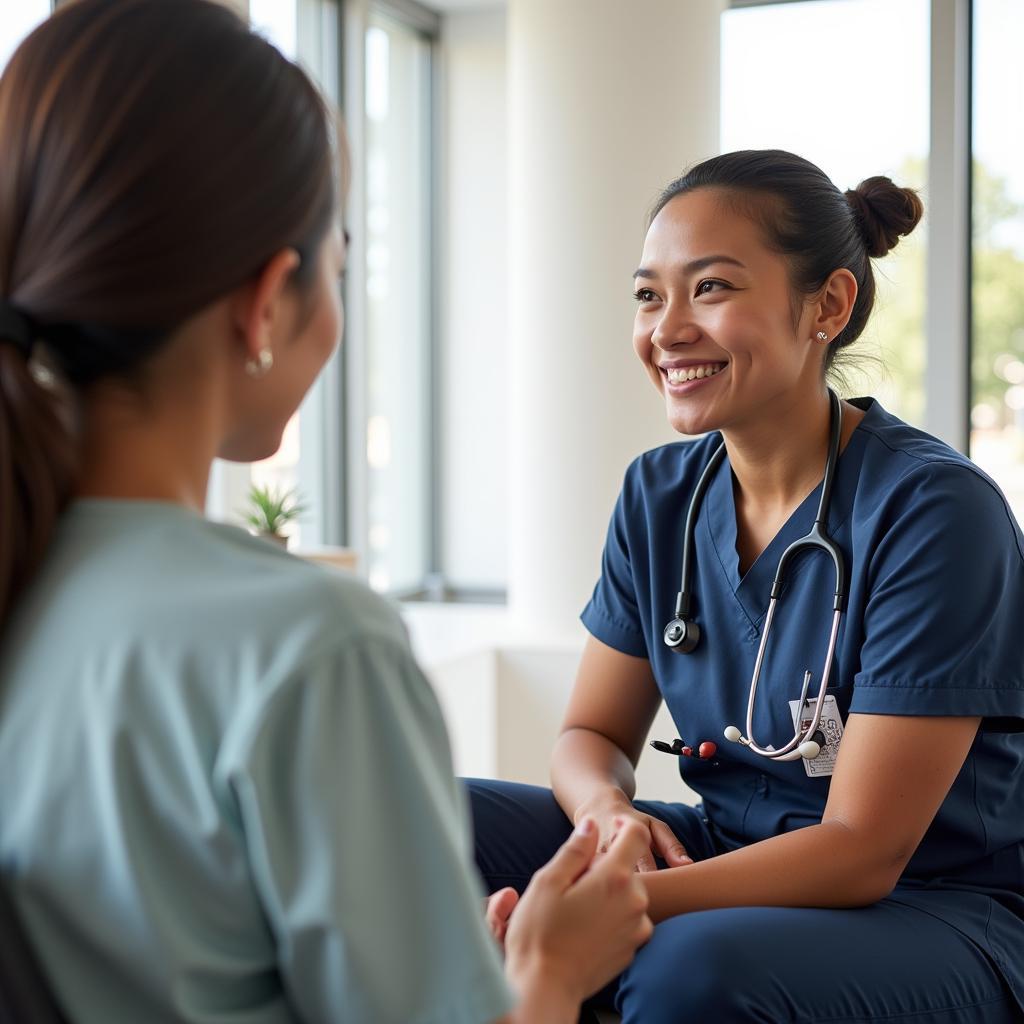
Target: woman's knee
516,829
694,965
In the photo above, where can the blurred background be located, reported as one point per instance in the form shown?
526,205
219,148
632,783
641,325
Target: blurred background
469,438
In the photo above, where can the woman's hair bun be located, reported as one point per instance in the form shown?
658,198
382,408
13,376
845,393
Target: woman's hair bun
883,212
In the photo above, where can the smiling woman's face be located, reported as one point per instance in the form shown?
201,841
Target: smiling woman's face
715,318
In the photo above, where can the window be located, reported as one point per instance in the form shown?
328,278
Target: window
398,310
277,21
997,306
781,89
309,459
360,448
17,21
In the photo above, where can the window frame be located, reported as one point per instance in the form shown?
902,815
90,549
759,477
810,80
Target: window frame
320,470
352,477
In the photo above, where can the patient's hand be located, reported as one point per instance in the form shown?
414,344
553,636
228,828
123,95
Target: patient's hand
499,909
581,919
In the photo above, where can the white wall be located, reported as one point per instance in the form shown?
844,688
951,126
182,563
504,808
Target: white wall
548,119
608,102
474,298
503,706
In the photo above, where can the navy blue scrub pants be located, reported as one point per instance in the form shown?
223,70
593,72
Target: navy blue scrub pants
890,961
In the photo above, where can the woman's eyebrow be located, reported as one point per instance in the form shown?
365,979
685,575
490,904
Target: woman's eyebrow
692,267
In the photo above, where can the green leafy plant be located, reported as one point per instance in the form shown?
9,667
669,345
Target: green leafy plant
270,508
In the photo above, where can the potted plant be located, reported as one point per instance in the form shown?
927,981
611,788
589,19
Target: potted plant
269,509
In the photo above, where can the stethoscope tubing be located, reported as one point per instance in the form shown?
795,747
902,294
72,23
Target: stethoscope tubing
683,634
790,752
683,597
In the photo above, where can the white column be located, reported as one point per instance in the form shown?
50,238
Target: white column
947,385
608,101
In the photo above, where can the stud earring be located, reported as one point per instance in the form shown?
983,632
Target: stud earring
821,336
261,365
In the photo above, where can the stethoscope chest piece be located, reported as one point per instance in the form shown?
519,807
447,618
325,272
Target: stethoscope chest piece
681,636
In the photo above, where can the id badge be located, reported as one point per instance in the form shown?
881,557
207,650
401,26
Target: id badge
831,726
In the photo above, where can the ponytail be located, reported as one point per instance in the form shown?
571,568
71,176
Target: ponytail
37,464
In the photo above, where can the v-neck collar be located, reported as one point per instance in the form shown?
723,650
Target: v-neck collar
753,589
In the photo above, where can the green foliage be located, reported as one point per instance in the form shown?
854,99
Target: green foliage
993,205
998,319
270,508
998,297
889,360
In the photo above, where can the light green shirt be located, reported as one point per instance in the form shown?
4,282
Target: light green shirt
226,790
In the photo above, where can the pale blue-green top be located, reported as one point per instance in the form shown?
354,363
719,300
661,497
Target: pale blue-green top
226,790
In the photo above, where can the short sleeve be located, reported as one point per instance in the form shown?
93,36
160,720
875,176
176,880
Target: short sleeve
612,615
358,843
945,615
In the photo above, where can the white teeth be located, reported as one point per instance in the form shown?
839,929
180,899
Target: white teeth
683,374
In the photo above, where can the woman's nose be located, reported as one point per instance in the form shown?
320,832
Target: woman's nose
676,327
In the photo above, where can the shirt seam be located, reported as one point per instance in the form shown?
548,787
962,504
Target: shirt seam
978,686
945,460
592,609
242,733
973,761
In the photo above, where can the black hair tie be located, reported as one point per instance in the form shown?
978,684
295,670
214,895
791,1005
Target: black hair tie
16,328
82,352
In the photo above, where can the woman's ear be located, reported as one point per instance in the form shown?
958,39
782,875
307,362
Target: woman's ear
835,304
258,306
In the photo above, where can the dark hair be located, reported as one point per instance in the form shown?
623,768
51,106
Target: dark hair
154,154
806,218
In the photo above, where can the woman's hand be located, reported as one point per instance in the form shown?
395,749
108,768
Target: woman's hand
580,921
607,808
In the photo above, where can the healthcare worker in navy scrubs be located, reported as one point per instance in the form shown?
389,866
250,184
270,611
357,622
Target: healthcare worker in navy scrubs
876,871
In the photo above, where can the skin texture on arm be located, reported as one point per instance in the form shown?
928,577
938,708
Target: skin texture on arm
891,776
611,708
613,704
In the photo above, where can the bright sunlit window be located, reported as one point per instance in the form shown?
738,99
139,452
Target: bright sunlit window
277,20
305,31
803,77
17,19
398,304
997,364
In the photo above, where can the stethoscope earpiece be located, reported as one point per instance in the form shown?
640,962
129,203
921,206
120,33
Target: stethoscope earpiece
809,750
681,636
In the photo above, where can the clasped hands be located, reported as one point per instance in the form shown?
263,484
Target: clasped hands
589,897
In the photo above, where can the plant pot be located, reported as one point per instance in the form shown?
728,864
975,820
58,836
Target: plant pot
277,538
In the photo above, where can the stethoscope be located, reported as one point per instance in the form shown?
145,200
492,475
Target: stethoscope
682,634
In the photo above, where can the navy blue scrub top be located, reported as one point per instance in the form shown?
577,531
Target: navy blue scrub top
934,626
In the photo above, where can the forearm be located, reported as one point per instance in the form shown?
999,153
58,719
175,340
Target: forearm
586,765
542,1002
826,865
